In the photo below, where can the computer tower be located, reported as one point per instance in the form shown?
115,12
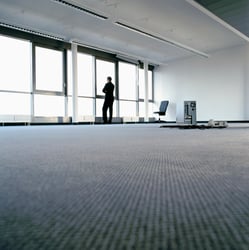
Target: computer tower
190,112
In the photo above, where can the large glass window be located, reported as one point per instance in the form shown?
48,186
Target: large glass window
127,81
49,69
103,70
49,100
15,61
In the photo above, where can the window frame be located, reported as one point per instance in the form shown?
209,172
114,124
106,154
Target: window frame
63,92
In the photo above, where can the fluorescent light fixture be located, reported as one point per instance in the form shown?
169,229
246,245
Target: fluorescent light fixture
74,6
31,31
158,38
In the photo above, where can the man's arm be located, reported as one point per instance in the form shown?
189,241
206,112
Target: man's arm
104,89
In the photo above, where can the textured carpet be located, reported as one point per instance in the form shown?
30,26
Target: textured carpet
124,187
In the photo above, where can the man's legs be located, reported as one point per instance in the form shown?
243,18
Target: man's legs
110,112
104,109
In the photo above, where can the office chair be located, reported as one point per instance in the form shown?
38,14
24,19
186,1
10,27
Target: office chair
162,109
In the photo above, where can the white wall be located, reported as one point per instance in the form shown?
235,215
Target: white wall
219,85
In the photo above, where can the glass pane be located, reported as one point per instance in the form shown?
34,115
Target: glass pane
141,84
127,108
69,73
127,81
150,82
85,106
46,105
99,105
70,106
151,107
103,70
49,69
142,109
14,104
15,64
85,74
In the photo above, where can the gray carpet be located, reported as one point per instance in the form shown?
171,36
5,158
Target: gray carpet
124,187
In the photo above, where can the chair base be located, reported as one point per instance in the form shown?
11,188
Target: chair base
160,121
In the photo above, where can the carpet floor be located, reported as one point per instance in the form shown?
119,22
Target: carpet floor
117,187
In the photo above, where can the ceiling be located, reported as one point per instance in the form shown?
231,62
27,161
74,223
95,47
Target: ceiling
165,30
235,13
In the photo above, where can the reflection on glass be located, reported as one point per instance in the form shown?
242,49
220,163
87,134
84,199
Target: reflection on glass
49,69
48,105
103,70
14,104
85,74
127,81
15,64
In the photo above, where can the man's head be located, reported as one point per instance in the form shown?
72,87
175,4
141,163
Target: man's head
109,79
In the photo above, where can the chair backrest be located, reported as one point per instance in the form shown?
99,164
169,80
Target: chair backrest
163,106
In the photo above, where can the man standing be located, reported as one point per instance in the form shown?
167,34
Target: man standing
109,99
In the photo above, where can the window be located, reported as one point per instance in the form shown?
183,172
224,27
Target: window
85,74
142,109
48,98
128,108
85,106
49,105
14,104
127,81
15,80
49,69
15,64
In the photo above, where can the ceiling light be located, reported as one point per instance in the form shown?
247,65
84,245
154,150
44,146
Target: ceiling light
158,38
74,6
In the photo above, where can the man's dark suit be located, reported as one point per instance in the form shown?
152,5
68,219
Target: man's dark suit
108,103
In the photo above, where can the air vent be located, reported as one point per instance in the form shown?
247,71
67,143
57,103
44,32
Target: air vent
31,31
74,6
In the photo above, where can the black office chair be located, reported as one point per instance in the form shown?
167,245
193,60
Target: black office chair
162,109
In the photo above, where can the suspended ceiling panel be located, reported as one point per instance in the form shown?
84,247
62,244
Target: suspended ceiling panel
235,13
157,31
